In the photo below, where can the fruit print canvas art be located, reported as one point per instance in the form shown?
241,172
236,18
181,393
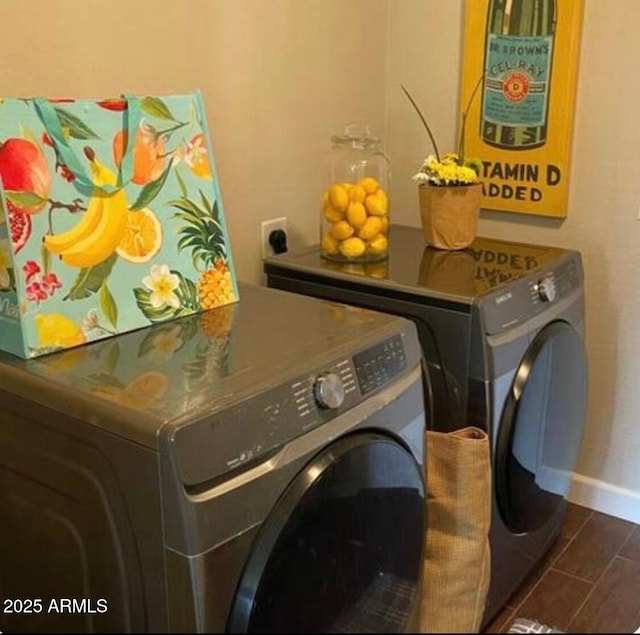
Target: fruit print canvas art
111,219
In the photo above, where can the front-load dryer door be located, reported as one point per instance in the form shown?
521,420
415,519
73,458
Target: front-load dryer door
541,428
342,550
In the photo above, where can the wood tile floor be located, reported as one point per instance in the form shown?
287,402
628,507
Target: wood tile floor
589,581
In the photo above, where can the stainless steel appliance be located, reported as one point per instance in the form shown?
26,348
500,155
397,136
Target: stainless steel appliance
501,326
257,467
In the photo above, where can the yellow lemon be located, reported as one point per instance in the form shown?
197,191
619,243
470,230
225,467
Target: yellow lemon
375,205
329,244
332,214
369,184
352,247
142,236
325,198
357,193
371,228
382,195
338,196
55,329
341,230
378,245
385,224
356,214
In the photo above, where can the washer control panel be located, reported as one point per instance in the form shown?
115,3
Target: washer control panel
377,365
257,427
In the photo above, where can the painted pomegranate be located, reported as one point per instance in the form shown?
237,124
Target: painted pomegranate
23,168
20,227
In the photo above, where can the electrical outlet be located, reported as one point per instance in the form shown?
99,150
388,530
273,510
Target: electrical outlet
269,226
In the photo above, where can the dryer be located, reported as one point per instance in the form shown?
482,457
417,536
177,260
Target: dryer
501,326
256,467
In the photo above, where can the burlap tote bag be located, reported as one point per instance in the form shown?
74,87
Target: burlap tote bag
457,565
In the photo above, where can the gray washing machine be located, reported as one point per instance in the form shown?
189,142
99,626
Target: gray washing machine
254,468
501,325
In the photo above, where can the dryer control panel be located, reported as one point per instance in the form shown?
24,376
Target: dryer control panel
523,299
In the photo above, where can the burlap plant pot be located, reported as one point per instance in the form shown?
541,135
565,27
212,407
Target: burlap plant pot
457,556
449,214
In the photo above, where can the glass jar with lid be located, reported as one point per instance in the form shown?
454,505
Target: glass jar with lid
354,218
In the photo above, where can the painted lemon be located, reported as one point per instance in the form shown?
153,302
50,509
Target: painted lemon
142,236
57,330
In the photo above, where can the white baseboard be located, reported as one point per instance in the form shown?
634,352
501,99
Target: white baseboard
603,497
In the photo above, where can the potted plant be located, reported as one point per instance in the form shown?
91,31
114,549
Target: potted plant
449,189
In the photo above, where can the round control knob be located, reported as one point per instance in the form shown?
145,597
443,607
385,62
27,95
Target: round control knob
328,390
547,289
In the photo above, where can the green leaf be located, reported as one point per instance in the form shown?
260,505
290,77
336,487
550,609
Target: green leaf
28,134
186,292
76,127
90,279
187,205
108,305
156,108
151,190
45,256
183,187
24,199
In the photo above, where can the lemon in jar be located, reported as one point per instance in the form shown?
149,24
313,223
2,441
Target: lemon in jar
338,196
352,247
369,184
356,214
378,245
341,230
329,244
332,214
357,193
375,205
372,227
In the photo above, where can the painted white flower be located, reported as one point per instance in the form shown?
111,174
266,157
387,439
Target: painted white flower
90,321
162,284
5,263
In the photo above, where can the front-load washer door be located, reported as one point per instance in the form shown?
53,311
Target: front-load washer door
541,428
342,550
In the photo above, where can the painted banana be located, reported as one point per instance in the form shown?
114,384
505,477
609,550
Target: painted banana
98,238
57,243
103,240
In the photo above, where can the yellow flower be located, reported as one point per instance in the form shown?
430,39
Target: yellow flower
450,168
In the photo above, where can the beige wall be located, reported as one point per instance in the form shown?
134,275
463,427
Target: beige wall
278,76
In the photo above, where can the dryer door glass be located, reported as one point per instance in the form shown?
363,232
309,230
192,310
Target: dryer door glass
342,550
541,428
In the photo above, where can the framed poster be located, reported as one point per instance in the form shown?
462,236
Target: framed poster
522,57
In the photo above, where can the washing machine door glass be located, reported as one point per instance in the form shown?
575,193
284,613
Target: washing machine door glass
541,428
342,551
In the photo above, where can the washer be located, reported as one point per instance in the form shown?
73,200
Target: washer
256,467
501,325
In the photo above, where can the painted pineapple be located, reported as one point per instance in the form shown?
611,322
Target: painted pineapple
215,286
203,234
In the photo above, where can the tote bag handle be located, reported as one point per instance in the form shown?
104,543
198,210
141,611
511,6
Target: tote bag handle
51,121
